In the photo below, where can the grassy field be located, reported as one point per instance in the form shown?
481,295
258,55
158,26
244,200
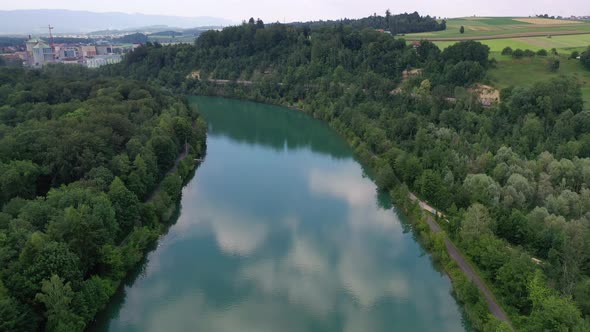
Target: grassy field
503,27
523,33
527,71
564,44
170,39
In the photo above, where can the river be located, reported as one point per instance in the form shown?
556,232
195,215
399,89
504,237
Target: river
281,230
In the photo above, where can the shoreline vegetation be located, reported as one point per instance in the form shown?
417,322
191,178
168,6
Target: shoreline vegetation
93,168
509,175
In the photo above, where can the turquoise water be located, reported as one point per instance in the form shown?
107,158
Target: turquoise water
280,230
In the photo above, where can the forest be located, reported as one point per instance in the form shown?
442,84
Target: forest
395,24
85,188
513,178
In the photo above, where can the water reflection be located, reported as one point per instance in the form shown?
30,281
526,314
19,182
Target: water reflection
284,240
268,126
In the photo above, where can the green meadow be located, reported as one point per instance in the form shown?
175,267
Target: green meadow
565,44
533,34
527,71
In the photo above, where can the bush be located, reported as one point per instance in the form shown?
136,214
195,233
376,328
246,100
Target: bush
542,52
528,53
574,55
518,53
553,65
507,51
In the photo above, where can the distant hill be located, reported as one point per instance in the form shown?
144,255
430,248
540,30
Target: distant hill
69,21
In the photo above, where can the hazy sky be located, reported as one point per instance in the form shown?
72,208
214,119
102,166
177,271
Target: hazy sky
292,10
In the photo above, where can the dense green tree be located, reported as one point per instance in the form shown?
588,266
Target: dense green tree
553,65
476,223
514,278
551,312
585,58
125,204
57,298
481,188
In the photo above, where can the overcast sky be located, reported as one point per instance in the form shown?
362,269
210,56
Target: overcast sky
302,10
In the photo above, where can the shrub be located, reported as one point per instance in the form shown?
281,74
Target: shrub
507,50
518,53
574,55
553,65
528,53
542,52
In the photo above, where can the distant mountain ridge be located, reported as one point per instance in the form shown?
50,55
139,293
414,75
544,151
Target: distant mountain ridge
73,21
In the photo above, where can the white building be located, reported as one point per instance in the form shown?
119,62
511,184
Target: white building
42,54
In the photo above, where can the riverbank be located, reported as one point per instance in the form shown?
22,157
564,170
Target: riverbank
159,209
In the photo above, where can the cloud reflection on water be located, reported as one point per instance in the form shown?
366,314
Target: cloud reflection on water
351,270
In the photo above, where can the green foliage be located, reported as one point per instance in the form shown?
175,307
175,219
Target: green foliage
76,151
57,298
125,204
476,223
467,51
551,312
553,65
483,189
585,58
507,50
518,53
19,178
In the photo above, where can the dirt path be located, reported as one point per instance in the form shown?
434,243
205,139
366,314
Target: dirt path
173,169
455,254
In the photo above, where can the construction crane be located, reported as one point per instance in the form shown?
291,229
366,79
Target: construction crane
49,27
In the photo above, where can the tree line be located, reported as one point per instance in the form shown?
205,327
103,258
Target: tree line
394,23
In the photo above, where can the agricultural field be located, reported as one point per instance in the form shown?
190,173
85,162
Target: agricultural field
526,71
503,27
563,44
534,34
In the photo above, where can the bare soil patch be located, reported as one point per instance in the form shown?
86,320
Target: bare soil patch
487,94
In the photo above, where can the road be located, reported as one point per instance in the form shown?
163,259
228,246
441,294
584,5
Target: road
456,255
